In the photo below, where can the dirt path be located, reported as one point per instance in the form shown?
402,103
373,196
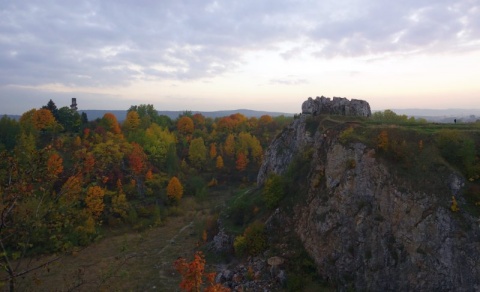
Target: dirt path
135,261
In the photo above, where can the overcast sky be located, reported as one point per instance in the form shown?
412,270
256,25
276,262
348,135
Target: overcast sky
216,55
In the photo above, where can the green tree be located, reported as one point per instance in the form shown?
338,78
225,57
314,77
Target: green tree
9,131
157,143
197,153
273,191
69,119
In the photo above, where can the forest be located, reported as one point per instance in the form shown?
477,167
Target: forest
68,183
64,179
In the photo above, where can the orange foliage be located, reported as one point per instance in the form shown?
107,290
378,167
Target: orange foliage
226,124
89,163
198,120
193,275
219,162
241,163
86,133
382,140
43,119
175,189
149,175
94,200
213,151
265,120
112,123
137,158
185,125
55,164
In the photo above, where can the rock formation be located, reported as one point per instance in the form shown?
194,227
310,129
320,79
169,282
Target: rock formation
337,106
367,229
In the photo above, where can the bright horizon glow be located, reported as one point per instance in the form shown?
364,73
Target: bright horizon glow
408,56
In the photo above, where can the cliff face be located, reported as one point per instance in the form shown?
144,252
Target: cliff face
370,230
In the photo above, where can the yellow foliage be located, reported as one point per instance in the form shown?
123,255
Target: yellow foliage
382,141
43,119
219,162
454,206
174,189
94,200
120,205
212,183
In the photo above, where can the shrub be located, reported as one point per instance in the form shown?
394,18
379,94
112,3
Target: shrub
240,245
274,191
255,238
346,135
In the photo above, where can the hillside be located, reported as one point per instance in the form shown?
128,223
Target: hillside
380,203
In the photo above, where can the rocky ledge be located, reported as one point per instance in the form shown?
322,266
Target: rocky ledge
336,106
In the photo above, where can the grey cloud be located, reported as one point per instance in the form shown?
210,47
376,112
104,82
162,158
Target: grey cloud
386,26
99,43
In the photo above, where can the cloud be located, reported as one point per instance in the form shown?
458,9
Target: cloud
108,43
289,80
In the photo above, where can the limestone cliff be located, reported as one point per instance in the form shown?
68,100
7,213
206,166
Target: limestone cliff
370,230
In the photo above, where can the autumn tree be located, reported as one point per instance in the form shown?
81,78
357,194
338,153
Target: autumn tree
94,200
198,121
185,125
219,162
26,122
213,151
109,121
174,190
132,121
54,165
52,107
382,141
194,277
197,153
137,159
241,162
43,119
229,146
157,143
120,204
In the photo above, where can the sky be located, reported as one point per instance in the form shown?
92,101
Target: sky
245,54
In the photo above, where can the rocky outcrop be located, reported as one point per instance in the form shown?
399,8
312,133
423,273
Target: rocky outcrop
337,106
369,230
278,156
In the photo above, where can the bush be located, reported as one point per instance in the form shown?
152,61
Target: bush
240,245
274,191
255,238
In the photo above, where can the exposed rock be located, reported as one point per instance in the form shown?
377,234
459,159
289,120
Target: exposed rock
283,148
295,138
369,230
222,242
337,106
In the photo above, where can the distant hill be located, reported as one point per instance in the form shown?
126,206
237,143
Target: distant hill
121,114
442,115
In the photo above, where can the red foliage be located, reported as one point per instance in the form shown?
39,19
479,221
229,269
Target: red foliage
193,275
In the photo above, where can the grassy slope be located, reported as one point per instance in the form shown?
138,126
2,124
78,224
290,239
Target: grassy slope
129,261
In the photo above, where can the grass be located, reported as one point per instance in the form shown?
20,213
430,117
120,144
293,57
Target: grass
129,261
